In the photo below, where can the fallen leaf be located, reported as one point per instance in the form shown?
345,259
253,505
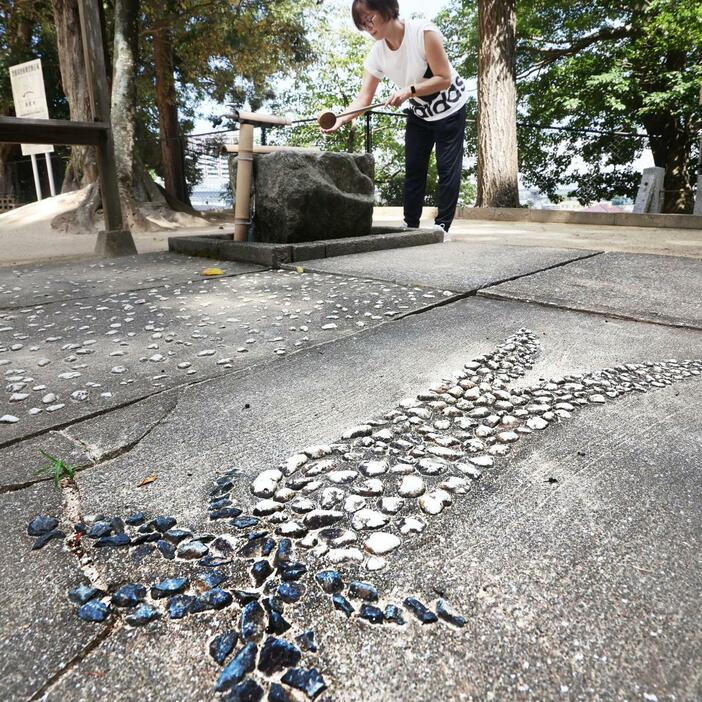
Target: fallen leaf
147,480
212,271
300,269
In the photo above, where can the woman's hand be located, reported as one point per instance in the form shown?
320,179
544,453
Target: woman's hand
337,125
397,98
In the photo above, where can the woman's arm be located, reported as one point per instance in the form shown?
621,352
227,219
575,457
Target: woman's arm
365,97
440,67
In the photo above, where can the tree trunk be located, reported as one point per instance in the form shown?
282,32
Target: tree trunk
135,185
82,166
678,178
138,191
497,105
172,156
671,146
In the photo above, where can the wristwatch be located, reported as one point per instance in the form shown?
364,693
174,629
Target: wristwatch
413,90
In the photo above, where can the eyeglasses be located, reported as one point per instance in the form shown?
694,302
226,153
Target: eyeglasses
369,22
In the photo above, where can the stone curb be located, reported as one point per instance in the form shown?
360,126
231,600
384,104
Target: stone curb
628,219
276,255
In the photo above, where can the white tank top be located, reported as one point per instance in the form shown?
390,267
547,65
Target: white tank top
408,65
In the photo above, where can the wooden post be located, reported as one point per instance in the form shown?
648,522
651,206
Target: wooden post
244,172
115,240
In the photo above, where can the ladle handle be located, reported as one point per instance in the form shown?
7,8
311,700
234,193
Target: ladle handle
361,109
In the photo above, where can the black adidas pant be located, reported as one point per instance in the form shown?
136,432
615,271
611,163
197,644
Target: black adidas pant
420,137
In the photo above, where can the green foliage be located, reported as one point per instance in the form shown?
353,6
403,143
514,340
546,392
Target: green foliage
617,67
33,20
57,469
224,53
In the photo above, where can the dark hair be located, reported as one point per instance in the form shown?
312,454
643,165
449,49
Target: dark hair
387,9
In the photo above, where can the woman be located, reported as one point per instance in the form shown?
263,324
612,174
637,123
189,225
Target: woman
411,54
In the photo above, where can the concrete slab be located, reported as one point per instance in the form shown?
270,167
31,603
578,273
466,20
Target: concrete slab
65,361
585,588
40,634
590,580
22,286
455,265
662,289
664,242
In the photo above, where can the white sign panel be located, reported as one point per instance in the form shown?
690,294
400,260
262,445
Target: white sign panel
29,96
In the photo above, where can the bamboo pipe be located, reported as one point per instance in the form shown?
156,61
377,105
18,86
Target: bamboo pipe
244,172
258,149
258,119
327,120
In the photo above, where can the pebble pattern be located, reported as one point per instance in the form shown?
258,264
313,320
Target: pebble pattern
388,476
55,356
333,507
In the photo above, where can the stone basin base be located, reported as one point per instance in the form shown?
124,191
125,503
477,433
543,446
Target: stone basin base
221,246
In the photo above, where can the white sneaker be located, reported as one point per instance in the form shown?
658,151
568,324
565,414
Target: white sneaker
439,227
406,227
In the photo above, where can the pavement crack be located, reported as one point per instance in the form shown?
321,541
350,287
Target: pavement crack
560,264
118,451
608,314
73,513
92,415
435,305
45,689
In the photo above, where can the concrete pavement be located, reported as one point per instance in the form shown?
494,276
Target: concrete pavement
574,558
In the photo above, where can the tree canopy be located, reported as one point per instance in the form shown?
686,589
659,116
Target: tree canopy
603,72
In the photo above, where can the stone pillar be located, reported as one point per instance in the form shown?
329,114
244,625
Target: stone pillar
650,196
698,196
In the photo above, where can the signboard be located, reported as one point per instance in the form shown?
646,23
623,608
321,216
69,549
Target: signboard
29,97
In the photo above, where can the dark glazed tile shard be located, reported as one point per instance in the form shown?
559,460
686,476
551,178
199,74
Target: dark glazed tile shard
330,581
251,622
278,654
135,519
292,571
448,616
113,541
168,587
82,593
290,592
162,523
394,614
426,616
221,646
180,605
41,525
372,614
261,571
308,681
342,604
238,667
363,591
277,693
306,641
44,539
142,615
216,598
94,611
129,595
248,691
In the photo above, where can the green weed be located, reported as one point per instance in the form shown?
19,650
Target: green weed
57,468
